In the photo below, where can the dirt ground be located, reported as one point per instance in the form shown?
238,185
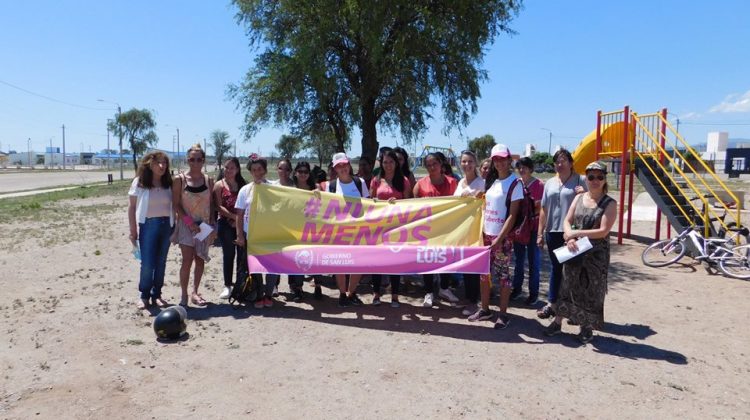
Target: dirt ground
74,346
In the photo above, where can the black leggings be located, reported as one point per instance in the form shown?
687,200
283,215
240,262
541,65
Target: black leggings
429,282
471,287
227,236
377,279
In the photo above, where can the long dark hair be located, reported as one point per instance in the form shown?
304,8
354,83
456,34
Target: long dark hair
398,176
146,175
405,169
493,175
310,180
237,178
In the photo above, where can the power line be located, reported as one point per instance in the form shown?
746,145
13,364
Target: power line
698,123
52,99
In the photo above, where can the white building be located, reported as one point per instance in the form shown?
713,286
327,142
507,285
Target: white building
529,150
716,149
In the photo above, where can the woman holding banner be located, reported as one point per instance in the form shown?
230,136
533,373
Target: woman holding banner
303,180
471,186
151,219
193,203
503,197
258,168
348,185
435,184
390,185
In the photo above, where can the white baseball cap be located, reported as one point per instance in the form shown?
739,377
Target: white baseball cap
340,158
500,150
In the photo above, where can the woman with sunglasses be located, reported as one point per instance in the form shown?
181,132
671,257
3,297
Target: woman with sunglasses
558,195
535,187
581,297
435,184
303,180
225,195
471,186
390,185
151,218
191,194
500,188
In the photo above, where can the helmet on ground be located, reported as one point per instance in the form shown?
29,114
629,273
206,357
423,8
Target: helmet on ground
170,323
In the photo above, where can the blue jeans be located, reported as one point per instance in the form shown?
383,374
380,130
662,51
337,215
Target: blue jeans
153,238
534,255
554,241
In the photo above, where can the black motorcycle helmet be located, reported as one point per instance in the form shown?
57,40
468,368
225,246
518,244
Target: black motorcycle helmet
170,323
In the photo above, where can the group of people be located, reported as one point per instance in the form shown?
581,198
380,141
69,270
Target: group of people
165,209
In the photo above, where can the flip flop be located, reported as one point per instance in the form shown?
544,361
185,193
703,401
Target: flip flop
160,302
198,300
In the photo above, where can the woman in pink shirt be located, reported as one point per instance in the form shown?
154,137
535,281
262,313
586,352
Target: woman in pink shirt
390,185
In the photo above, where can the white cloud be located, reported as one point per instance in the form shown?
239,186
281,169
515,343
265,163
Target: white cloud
690,116
734,103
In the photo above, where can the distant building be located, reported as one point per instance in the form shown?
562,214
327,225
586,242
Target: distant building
716,149
529,150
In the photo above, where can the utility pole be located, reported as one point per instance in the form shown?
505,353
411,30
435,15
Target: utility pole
119,126
178,150
205,152
109,152
63,133
28,150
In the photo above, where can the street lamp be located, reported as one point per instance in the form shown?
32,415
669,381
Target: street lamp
119,130
549,149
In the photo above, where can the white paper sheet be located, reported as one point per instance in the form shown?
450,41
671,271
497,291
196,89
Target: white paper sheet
206,230
564,254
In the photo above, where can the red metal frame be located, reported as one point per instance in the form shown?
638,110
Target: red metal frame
661,161
623,158
598,133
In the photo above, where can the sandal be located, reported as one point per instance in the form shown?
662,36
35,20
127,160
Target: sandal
160,302
142,304
545,312
502,322
198,300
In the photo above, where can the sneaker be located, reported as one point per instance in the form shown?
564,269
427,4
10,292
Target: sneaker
275,291
395,304
515,294
481,315
355,300
376,301
318,295
268,302
586,335
572,322
502,322
552,329
448,295
259,303
531,300
546,312
344,301
225,293
469,310
427,300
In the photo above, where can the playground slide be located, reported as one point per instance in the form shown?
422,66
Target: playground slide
585,153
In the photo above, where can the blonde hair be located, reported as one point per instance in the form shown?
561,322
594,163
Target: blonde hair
197,148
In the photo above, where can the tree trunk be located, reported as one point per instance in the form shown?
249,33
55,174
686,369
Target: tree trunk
369,131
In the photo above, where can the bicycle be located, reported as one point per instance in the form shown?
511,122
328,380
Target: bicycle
732,259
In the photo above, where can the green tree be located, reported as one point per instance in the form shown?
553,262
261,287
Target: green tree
288,146
541,158
482,146
220,142
137,126
322,143
373,64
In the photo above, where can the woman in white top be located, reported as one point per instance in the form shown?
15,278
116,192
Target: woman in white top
502,187
151,218
348,185
472,185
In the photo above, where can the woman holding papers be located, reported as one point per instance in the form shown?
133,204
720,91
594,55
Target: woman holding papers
591,216
191,194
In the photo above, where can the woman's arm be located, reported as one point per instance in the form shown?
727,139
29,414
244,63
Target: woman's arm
133,202
238,215
415,191
568,222
223,211
542,225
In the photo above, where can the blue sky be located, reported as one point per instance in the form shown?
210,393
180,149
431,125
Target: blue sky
568,59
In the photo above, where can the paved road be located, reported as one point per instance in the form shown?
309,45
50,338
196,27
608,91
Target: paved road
11,181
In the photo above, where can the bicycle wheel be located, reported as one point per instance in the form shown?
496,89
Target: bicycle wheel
736,262
663,253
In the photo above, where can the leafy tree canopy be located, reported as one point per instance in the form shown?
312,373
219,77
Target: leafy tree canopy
137,126
220,142
288,146
482,146
370,63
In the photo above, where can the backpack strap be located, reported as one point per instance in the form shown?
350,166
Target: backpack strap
358,184
510,192
332,185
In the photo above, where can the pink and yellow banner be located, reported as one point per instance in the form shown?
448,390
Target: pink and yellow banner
294,231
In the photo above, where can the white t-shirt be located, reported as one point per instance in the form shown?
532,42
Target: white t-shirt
495,212
477,185
245,201
350,189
